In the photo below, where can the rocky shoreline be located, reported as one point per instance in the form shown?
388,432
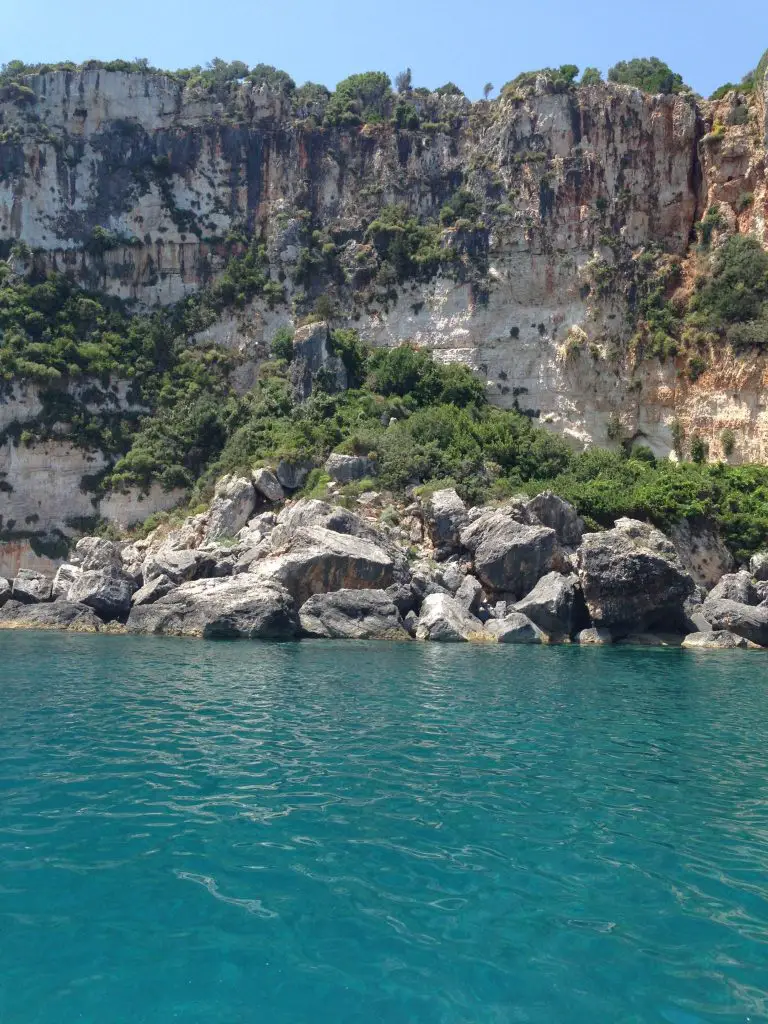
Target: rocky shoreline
258,566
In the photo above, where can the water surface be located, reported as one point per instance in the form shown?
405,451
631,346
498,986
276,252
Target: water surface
343,832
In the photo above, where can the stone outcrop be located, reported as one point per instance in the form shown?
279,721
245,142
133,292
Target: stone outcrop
77,618
446,517
718,640
444,619
314,358
632,578
108,591
556,605
552,511
267,485
242,606
741,619
514,628
344,469
737,586
31,587
509,556
352,615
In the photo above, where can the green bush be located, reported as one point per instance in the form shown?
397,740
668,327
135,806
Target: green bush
360,99
282,344
591,76
647,73
738,288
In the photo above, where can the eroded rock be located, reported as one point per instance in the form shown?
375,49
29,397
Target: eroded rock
514,628
238,606
76,618
556,605
31,587
353,615
718,640
444,619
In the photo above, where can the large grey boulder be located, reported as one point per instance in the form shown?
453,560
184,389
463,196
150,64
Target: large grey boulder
313,356
232,506
509,556
736,586
718,640
96,553
267,485
108,591
316,560
153,591
346,468
237,606
443,618
352,615
65,576
758,566
470,594
179,565
514,628
702,551
445,516
556,605
559,515
293,473
594,637
741,619
30,587
53,615
632,577
5,591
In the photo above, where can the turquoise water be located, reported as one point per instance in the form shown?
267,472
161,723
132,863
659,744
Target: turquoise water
338,832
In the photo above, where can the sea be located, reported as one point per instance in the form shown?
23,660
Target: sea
232,832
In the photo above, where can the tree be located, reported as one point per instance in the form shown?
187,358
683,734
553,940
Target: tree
487,90
403,81
647,73
591,76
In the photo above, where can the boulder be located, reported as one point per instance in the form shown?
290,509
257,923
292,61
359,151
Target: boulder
5,591
153,591
470,594
444,618
758,566
54,615
402,597
450,575
108,591
559,515
594,637
179,565
238,606
65,576
556,605
718,640
702,551
267,485
319,561
509,556
352,615
411,623
514,628
445,516
293,474
632,577
96,553
346,468
741,619
232,506
736,586
314,356
30,587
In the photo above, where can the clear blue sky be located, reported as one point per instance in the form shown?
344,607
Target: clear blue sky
469,43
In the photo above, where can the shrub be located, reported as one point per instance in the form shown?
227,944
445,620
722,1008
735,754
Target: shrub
591,76
360,99
699,449
738,287
728,441
647,73
282,344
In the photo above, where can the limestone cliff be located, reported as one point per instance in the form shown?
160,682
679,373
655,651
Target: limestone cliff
136,185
